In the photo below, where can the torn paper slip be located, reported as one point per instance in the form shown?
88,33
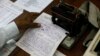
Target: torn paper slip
42,41
33,5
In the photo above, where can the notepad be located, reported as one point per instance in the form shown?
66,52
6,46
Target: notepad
42,41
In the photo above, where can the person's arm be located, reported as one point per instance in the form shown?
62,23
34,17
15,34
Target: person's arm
25,21
19,26
24,25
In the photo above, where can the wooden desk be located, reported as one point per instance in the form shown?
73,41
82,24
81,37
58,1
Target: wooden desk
77,50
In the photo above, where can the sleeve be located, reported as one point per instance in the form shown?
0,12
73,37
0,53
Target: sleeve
11,30
8,32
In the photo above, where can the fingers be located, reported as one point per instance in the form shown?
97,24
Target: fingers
25,21
32,17
30,25
34,25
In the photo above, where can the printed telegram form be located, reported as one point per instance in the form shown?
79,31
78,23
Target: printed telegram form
42,41
8,12
33,5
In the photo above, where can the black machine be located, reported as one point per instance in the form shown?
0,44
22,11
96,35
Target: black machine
68,17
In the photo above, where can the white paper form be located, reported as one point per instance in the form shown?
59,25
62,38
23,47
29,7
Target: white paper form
33,5
42,41
8,12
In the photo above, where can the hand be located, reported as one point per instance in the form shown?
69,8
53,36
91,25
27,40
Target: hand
25,21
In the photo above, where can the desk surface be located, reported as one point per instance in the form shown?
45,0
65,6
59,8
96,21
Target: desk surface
77,50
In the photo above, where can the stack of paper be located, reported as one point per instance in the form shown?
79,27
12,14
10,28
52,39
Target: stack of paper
33,5
8,12
42,41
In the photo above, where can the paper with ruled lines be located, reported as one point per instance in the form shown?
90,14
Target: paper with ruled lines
42,41
8,12
33,5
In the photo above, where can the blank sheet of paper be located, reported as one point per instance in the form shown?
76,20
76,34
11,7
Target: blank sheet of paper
42,41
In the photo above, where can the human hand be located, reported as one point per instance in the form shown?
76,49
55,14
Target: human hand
25,21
